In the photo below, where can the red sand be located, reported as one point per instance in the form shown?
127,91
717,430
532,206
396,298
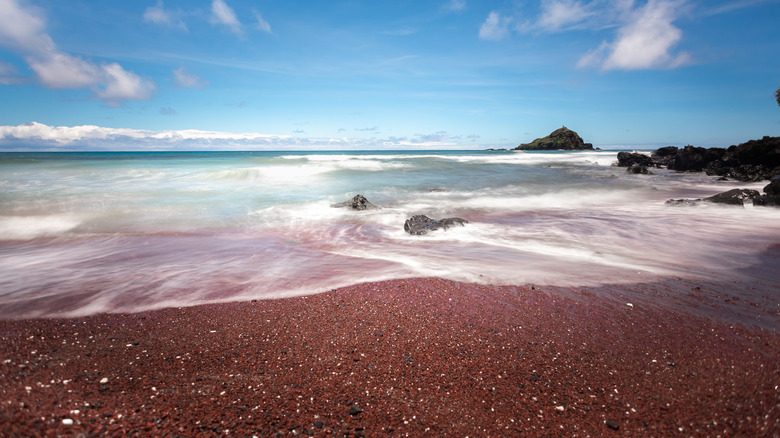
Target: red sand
419,357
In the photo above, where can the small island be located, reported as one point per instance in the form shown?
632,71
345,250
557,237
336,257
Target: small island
560,139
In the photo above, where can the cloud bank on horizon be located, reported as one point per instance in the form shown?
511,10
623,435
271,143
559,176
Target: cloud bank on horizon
449,74
42,137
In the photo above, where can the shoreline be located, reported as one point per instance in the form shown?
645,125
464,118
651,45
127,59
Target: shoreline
417,357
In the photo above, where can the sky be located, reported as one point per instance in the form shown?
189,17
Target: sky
352,74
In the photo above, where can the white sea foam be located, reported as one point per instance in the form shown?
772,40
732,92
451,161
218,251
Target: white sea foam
146,233
31,227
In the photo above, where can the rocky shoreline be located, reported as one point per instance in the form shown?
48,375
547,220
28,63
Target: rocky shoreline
416,357
755,160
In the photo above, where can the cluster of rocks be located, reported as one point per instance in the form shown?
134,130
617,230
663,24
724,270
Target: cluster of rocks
771,196
416,225
755,160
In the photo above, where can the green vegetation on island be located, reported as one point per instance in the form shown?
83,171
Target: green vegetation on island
560,139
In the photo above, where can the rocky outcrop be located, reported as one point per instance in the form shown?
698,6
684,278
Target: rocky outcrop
359,202
560,139
627,159
734,197
755,160
421,224
639,169
771,194
731,197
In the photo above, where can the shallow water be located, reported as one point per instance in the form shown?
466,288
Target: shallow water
92,232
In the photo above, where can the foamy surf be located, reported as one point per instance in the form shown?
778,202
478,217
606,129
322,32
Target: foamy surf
120,232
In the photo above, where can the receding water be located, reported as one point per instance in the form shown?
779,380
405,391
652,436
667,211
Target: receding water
90,232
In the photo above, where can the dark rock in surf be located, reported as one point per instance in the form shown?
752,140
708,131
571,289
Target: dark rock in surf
663,156
421,224
627,159
683,202
771,194
754,160
560,139
359,202
639,169
733,197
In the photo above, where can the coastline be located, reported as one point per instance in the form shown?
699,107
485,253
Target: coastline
417,357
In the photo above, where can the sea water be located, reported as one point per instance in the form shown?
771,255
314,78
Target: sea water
82,233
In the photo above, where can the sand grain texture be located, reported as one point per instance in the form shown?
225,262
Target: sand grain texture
416,357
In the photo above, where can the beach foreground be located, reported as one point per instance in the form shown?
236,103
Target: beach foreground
416,357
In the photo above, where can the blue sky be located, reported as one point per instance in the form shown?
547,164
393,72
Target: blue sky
272,74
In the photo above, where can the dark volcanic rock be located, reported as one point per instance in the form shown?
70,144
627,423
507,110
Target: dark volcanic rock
638,169
755,160
563,138
663,156
693,159
771,194
359,202
626,159
421,224
733,197
683,202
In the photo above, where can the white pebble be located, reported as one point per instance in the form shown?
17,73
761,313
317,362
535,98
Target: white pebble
559,408
67,422
629,305
104,380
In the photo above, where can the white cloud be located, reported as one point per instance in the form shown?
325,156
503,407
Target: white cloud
119,84
732,6
160,16
223,14
558,14
37,136
644,42
60,70
495,27
64,135
24,30
184,79
261,24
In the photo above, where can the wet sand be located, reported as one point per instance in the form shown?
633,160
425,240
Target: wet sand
412,357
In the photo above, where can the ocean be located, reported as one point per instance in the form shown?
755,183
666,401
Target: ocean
82,233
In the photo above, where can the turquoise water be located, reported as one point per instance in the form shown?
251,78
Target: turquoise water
90,232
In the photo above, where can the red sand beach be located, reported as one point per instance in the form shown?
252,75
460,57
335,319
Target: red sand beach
414,357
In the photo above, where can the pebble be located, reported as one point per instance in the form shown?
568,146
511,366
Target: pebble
67,422
104,380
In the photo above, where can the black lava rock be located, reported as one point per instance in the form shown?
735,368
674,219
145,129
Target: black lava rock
421,224
359,202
